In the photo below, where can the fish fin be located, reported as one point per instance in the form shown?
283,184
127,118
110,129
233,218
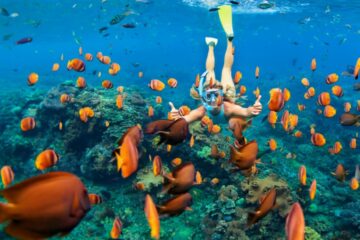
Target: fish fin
12,194
252,217
225,15
188,209
332,173
15,230
5,211
163,136
120,160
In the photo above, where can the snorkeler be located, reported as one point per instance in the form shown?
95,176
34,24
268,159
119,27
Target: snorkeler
218,98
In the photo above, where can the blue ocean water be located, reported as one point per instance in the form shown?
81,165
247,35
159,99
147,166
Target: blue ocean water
168,41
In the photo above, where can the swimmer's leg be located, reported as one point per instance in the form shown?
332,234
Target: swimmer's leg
226,77
210,59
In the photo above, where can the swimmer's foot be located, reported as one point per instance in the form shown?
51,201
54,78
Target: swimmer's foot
210,41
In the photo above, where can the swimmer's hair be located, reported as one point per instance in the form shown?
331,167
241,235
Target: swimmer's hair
217,85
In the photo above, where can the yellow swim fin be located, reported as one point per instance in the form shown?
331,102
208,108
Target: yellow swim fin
225,15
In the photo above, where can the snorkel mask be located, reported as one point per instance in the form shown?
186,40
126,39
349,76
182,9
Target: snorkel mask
211,97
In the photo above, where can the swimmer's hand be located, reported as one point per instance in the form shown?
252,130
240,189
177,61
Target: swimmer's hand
175,114
256,108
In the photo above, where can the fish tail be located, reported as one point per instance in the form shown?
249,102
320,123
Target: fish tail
251,219
4,212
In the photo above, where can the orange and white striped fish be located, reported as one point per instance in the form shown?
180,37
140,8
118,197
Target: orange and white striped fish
7,175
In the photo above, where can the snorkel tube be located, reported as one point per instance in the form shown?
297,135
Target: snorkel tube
208,101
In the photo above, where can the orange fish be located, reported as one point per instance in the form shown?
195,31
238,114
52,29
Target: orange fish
172,82
99,55
88,57
127,154
205,120
152,217
267,203
329,111
55,67
49,204
336,149
340,173
80,82
184,110
222,154
347,107
176,161
256,92
302,175
311,91
86,113
297,134
32,78
357,69
295,223
214,181
287,94
107,84
140,74
324,99
242,90
157,166
332,78
27,124
150,111
105,59
76,64
237,77
285,120
119,101
272,118
180,180
215,129
7,175
257,72
114,68
192,140
210,126
139,186
46,159
156,85
353,143
95,199
60,125
354,183
198,178
305,82
64,98
312,191
168,147
107,124
116,228
276,102
272,144
158,100
301,107
197,80
293,121
313,64
317,139
194,93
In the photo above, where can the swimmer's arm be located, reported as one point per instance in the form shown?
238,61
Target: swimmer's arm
252,111
195,114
